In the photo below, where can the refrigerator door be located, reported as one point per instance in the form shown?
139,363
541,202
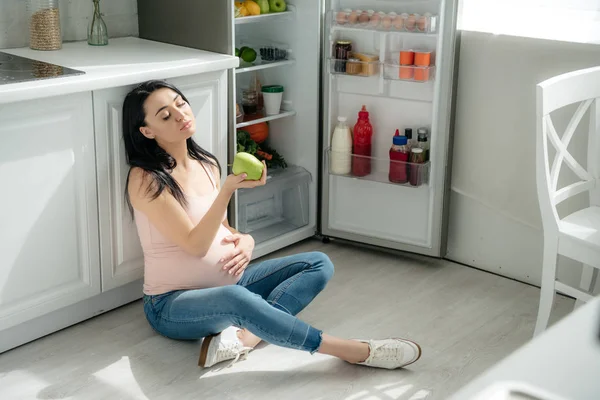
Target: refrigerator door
409,216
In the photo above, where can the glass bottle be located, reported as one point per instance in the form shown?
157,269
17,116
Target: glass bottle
97,32
44,25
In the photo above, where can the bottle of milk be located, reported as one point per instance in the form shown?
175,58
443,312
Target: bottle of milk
341,149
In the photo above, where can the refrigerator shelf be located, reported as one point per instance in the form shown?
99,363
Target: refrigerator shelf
263,65
410,73
279,207
282,114
354,67
411,175
266,17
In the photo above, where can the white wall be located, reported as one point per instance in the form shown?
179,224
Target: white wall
495,222
120,17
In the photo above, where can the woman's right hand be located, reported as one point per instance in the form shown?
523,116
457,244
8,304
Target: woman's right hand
234,182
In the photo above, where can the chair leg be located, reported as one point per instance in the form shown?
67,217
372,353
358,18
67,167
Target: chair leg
589,275
547,291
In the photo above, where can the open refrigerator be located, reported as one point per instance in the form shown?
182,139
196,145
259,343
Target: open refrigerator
298,49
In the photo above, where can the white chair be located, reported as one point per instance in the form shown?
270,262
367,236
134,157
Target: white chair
577,235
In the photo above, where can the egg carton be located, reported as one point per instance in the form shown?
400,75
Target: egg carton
392,21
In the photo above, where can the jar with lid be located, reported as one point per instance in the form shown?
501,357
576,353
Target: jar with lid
44,25
341,52
250,101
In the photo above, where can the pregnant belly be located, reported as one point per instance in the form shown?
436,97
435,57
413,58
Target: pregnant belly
219,249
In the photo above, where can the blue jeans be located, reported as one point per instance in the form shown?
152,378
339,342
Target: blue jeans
265,302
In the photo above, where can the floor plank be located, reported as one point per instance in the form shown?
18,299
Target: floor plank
465,319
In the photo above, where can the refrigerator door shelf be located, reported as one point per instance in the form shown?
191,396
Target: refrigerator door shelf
380,22
411,73
354,68
279,207
412,175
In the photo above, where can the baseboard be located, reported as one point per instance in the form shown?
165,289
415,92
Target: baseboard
68,316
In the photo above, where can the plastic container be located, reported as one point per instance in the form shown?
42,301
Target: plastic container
279,207
273,96
341,149
361,144
399,157
44,25
407,57
422,58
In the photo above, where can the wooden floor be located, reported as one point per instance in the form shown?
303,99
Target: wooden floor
466,320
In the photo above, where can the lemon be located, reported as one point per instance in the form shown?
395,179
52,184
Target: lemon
252,7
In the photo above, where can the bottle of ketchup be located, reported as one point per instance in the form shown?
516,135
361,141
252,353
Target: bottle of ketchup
361,145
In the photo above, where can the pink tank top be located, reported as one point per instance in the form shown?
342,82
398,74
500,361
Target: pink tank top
168,267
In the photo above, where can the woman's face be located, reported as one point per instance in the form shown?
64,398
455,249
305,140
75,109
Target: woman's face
169,118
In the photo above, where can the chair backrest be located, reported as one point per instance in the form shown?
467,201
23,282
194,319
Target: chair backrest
581,87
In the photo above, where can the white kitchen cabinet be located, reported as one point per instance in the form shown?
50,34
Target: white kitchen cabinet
122,258
207,94
49,253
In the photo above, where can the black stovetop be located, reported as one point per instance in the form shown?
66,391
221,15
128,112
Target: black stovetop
14,69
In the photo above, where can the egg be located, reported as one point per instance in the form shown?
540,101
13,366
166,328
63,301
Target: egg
364,18
341,18
411,21
375,19
398,22
422,23
386,22
353,17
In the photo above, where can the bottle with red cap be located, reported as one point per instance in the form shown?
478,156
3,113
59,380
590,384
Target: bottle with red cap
361,146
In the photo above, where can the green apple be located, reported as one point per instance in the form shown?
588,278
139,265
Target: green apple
264,6
277,5
246,163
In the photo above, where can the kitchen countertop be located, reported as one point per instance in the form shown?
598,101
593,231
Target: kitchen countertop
561,363
124,61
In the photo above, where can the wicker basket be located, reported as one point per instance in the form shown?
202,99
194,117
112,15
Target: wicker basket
44,25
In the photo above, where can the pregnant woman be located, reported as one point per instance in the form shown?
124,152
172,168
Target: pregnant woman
198,280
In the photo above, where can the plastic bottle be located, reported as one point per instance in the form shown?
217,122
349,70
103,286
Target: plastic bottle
341,149
399,153
363,132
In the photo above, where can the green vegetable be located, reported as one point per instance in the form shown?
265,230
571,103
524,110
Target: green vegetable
247,145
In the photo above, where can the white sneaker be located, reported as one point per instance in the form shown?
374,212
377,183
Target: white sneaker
215,349
391,353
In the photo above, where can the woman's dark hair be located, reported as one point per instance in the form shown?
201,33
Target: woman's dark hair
146,153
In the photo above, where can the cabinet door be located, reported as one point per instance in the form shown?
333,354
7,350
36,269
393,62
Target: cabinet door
207,94
48,209
121,253
121,256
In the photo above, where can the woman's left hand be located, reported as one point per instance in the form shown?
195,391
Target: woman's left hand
238,260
